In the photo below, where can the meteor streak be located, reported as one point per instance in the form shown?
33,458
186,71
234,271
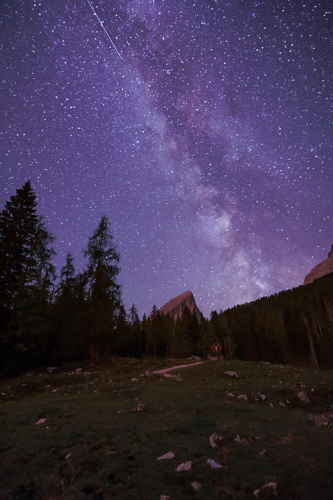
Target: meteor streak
101,23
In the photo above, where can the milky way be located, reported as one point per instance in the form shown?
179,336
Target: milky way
206,141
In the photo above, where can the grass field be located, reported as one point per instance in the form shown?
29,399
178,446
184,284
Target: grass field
96,434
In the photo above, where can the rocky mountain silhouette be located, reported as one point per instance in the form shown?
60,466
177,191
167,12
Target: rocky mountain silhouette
177,305
325,267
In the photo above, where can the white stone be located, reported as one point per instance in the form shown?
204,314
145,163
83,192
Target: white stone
303,397
141,407
213,464
238,439
270,487
40,421
232,374
196,485
167,456
213,438
184,466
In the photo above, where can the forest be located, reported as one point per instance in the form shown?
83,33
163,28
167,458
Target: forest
48,320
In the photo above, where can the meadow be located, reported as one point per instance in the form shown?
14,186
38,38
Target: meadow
243,430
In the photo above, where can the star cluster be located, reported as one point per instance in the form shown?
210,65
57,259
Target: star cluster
201,129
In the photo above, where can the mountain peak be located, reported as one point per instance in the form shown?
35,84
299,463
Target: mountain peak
325,267
177,305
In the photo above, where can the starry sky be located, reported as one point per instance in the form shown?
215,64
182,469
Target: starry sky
200,128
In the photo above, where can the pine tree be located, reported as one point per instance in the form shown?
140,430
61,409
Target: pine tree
103,292
228,342
67,277
187,334
26,275
150,331
207,337
136,339
68,317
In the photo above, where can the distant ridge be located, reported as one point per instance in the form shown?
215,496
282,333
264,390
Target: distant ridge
325,267
177,305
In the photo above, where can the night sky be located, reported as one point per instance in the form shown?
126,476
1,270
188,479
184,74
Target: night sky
200,128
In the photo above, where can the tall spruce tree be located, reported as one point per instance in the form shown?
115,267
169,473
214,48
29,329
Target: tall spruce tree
68,317
26,276
103,291
67,277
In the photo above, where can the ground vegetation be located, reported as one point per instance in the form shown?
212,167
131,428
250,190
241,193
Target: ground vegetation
97,431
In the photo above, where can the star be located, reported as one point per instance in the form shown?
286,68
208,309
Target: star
200,129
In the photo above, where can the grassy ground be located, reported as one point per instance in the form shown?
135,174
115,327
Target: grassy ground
94,445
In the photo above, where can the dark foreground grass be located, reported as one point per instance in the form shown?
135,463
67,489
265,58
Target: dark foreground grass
94,445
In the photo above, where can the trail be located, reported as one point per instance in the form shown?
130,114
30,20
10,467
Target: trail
165,370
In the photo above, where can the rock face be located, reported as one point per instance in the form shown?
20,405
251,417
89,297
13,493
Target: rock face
177,305
325,267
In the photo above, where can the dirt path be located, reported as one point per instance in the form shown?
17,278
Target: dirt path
165,370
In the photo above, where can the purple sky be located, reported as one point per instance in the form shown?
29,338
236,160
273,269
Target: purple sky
206,140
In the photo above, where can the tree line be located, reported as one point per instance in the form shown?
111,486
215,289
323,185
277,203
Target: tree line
81,315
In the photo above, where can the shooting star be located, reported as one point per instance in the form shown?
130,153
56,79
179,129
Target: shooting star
101,23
